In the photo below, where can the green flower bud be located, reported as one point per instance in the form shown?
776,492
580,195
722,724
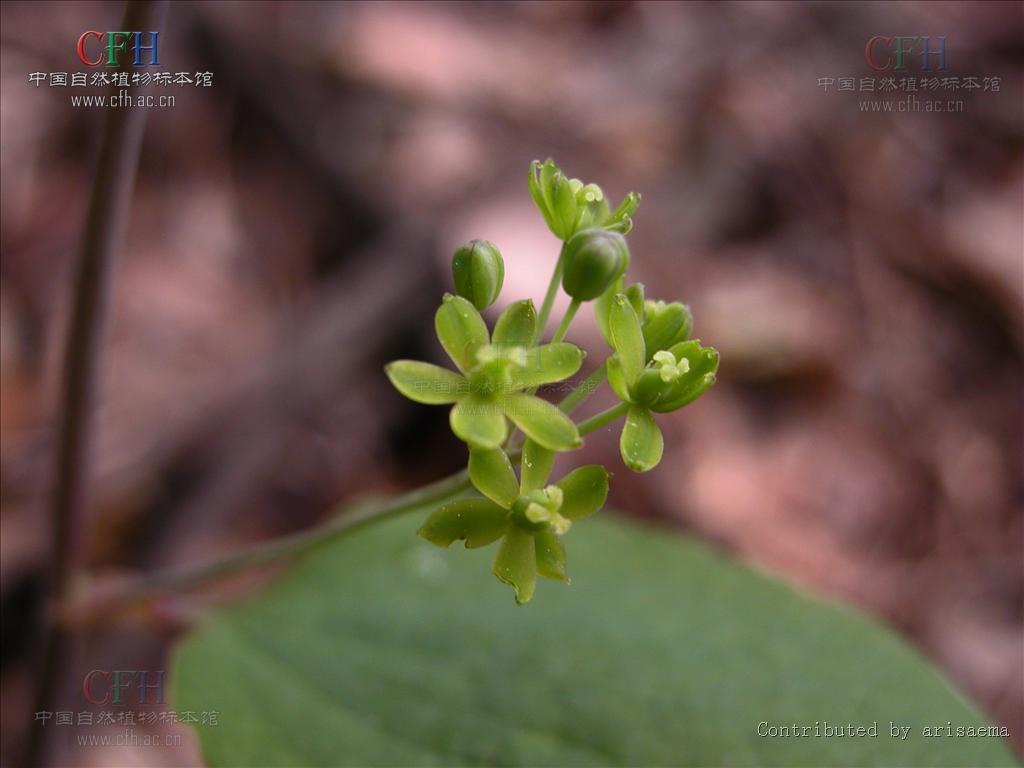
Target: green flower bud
594,259
479,272
665,325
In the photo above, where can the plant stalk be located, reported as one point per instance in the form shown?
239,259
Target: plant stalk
549,298
563,327
191,576
601,419
104,228
586,388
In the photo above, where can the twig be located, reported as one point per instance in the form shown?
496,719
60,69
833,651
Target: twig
586,388
603,418
549,297
104,227
188,577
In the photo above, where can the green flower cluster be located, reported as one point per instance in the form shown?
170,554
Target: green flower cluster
653,368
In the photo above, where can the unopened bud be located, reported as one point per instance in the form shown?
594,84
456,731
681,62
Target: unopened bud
594,259
479,272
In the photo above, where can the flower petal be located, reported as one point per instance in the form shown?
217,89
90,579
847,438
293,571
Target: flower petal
516,563
603,306
461,330
547,177
516,326
641,444
665,326
425,382
479,422
622,215
492,475
627,337
563,197
542,422
549,363
535,467
550,555
478,521
617,379
584,491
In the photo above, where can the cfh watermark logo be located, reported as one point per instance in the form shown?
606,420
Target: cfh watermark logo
125,68
106,46
909,73
120,687
896,53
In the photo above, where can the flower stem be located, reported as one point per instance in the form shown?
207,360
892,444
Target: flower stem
601,419
585,389
549,297
563,327
191,576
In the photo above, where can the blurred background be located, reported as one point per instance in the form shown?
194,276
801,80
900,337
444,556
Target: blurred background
291,230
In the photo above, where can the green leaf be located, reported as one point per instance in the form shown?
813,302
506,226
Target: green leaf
516,326
641,443
542,422
425,382
492,475
550,555
479,421
535,466
461,330
378,649
585,490
549,363
516,563
478,521
627,338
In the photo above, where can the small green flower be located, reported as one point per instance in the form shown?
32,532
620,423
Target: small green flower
569,205
492,376
529,517
673,378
